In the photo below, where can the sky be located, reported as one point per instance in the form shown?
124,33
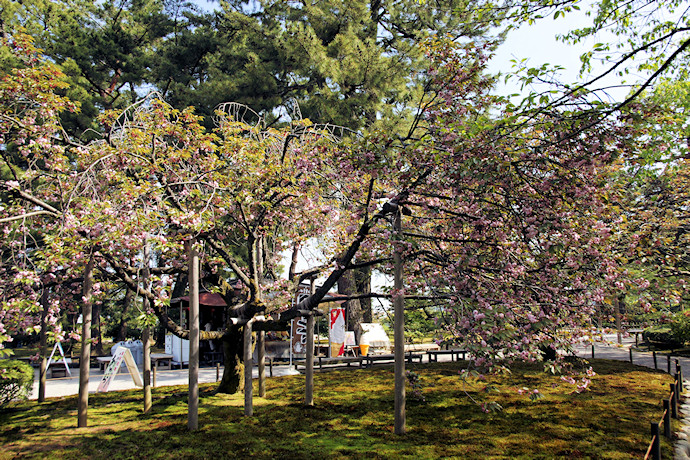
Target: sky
538,44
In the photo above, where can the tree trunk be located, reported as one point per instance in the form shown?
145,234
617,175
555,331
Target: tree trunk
99,336
122,330
363,286
232,380
617,315
348,286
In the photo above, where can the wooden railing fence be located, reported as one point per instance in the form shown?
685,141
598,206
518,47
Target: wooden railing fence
670,411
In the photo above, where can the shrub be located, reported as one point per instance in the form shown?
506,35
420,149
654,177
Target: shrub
680,326
16,380
660,335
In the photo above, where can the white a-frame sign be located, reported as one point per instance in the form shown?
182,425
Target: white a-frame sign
122,354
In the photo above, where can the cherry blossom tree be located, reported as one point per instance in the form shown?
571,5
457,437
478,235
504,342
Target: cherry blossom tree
650,200
28,129
503,216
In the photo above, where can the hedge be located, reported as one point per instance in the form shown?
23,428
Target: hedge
16,380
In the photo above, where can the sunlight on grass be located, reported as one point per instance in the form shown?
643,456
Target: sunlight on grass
353,418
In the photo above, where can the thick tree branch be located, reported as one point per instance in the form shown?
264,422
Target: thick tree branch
228,258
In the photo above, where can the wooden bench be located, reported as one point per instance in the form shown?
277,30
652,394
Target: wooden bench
421,347
329,363
454,354
410,357
178,364
57,368
161,361
103,362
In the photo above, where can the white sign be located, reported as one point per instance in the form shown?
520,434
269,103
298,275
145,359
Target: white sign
122,354
58,346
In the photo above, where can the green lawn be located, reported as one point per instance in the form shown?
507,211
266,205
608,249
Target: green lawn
353,418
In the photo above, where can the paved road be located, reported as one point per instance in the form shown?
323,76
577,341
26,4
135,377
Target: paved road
123,381
612,350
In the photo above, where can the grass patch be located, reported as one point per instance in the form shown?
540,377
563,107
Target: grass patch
353,418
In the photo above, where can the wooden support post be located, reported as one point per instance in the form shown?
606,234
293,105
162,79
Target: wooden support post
43,347
668,362
656,441
217,372
85,358
667,418
248,390
309,364
261,357
674,400
193,403
679,373
148,399
592,351
631,358
655,363
399,330
678,388
146,334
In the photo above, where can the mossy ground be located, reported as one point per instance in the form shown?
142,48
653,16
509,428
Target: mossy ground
353,418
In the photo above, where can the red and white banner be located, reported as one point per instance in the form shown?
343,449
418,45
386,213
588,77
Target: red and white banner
337,331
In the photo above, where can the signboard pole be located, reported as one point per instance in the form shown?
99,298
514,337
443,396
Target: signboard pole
291,339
